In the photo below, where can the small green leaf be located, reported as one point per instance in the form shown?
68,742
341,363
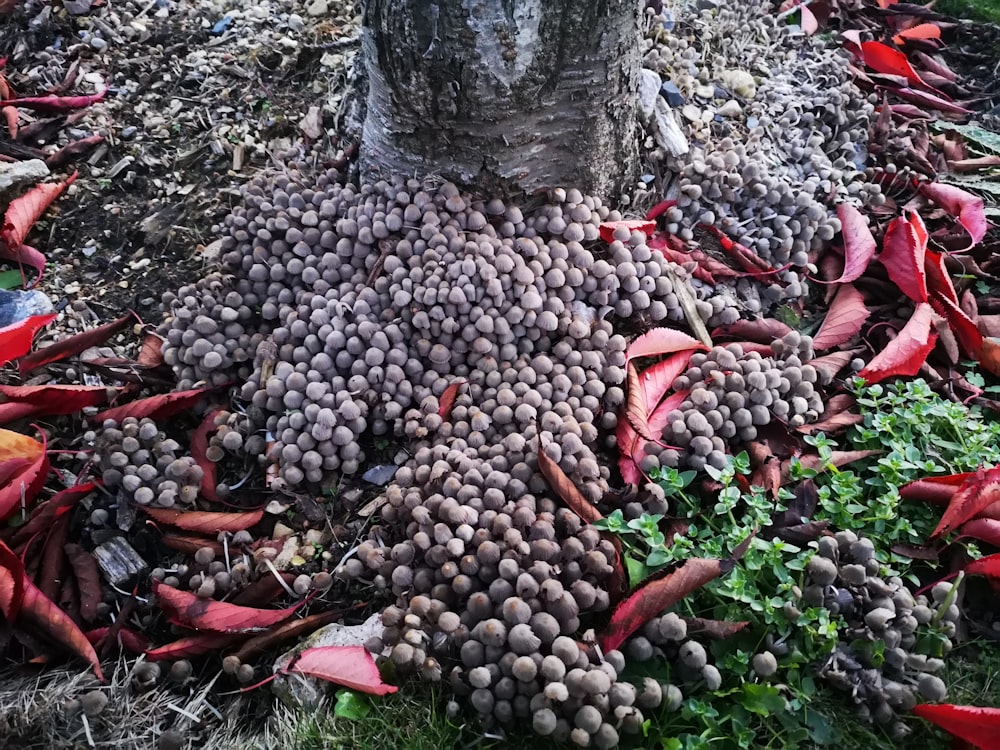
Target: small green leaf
761,699
10,279
351,705
637,571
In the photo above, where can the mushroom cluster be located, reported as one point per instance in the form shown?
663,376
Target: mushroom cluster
730,394
882,660
349,312
145,465
494,579
766,156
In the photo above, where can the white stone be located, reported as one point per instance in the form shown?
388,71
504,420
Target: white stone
18,173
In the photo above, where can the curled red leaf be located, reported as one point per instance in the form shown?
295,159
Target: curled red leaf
662,341
653,597
859,244
564,488
191,611
979,726
905,354
199,452
205,522
350,666
16,338
156,407
44,400
885,59
24,485
88,579
903,252
843,320
73,345
934,490
55,103
131,640
984,529
192,645
448,398
759,330
23,212
975,494
969,209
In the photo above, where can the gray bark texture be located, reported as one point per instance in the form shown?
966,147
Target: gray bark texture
502,96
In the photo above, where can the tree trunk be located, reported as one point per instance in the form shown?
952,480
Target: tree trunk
502,96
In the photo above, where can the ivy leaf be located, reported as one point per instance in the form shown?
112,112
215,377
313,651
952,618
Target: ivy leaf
762,700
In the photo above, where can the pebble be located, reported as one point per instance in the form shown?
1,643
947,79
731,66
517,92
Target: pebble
129,132
98,44
317,8
731,108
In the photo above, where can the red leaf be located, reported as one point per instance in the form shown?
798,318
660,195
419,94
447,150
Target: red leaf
26,484
885,59
72,345
24,255
843,320
978,492
627,439
905,354
718,630
16,338
966,332
189,544
658,379
11,583
607,228
653,597
934,490
204,522
636,410
42,613
966,207
88,580
34,400
156,407
564,488
55,103
760,330
58,505
979,726
350,666
989,356
984,529
988,566
23,212
920,31
448,398
267,640
199,448
191,611
263,590
132,640
662,341
903,250
930,100
659,209
837,416
151,353
192,645
859,244
832,363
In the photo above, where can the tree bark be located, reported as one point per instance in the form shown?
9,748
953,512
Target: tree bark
502,96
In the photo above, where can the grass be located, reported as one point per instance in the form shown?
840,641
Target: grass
978,10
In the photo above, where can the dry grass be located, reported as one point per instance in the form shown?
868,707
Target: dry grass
34,715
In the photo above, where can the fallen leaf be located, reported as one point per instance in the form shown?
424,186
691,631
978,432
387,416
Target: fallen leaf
974,495
191,611
448,398
607,228
284,632
989,355
935,490
657,379
636,411
930,100
16,338
199,448
859,244
650,599
905,354
192,645
626,439
88,580
46,400
984,529
131,640
190,544
55,103
843,320
565,490
807,21
966,332
23,486
11,583
73,345
264,590
155,407
717,630
903,252
55,507
350,666
920,31
38,611
829,365
661,341
978,726
885,59
988,566
151,352
969,209
759,330
935,65
23,212
205,522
